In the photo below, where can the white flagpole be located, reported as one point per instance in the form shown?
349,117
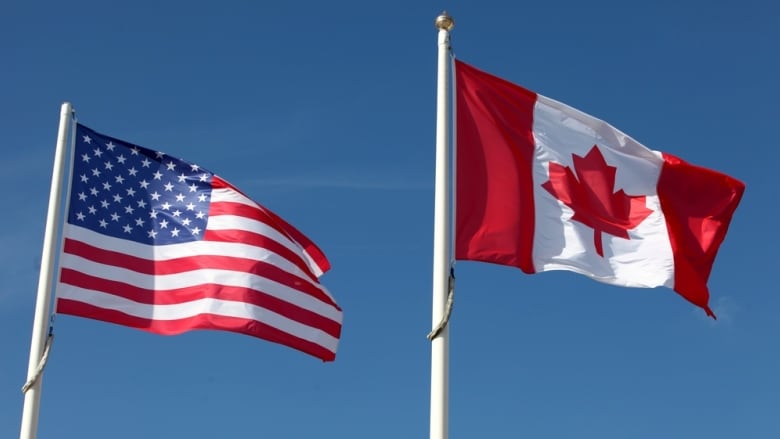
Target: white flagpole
441,239
32,395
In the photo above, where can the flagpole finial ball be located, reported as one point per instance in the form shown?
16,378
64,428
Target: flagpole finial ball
445,22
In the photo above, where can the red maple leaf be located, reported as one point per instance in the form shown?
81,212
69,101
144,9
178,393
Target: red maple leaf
590,195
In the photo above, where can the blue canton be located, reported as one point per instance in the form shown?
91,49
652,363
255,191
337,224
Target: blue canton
130,192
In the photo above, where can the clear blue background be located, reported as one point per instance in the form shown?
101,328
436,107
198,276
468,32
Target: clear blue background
325,112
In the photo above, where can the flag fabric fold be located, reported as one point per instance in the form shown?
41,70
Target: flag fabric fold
542,186
163,245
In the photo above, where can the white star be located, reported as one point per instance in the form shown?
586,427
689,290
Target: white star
170,166
96,172
177,213
186,221
104,204
132,171
153,214
106,186
84,178
180,198
193,188
129,209
92,210
110,146
200,215
145,162
119,179
141,204
121,159
82,196
196,231
166,206
175,232
155,196
98,152
168,187
109,166
164,224
103,223
190,206
134,150
127,228
114,217
194,168
80,216
85,157
202,197
152,234
144,184
130,192
87,139
204,177
139,222
117,198
182,178
157,175
93,191
159,154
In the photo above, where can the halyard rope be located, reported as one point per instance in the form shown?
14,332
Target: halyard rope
448,307
41,363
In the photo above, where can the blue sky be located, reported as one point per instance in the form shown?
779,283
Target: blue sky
324,112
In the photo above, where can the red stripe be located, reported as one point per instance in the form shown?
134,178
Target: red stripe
196,262
261,241
698,204
311,249
204,291
258,240
494,221
202,321
238,209
275,221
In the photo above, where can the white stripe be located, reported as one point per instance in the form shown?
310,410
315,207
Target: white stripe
231,196
202,306
176,251
162,282
233,222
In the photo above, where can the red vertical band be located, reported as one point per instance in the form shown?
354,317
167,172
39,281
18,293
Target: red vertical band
698,204
494,221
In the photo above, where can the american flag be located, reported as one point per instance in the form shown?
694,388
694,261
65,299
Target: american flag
160,244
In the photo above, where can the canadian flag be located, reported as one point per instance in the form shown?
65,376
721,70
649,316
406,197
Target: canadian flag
543,186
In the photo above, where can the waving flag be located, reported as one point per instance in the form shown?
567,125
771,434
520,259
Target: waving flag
543,186
159,244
